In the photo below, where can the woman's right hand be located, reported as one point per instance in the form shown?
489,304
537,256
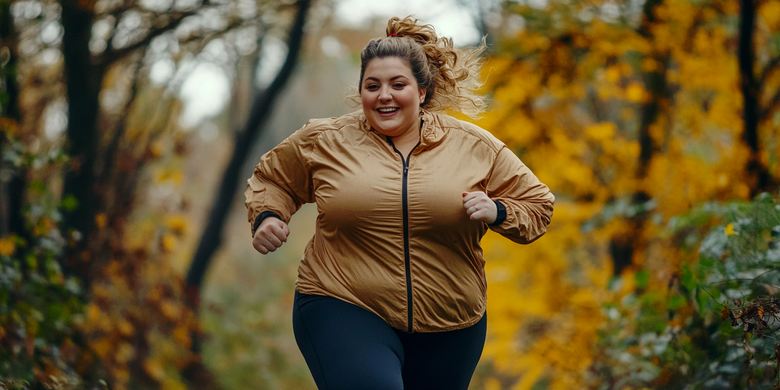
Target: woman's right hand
270,235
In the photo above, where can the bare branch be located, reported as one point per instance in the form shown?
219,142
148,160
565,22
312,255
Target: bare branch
769,69
774,105
204,39
121,126
111,56
261,109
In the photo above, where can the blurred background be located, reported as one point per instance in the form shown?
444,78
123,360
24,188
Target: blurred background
129,128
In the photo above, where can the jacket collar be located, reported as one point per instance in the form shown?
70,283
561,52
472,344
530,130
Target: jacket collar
431,131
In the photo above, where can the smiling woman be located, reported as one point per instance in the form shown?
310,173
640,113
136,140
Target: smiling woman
391,101
391,290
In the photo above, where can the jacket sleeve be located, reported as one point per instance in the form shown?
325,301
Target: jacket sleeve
281,182
528,202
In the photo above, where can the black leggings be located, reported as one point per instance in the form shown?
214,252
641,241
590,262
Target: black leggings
349,348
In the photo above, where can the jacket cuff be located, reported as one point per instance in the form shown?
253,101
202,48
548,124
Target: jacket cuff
266,214
500,216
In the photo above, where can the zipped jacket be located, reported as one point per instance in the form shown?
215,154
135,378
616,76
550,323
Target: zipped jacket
391,233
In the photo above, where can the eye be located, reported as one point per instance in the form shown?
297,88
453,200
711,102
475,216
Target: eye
371,87
399,85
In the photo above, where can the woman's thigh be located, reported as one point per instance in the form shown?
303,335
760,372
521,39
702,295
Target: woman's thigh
345,346
443,360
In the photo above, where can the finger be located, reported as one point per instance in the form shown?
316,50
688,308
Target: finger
476,203
279,232
274,241
260,248
286,231
467,196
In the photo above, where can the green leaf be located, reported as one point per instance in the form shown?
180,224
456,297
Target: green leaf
687,279
69,203
676,302
642,278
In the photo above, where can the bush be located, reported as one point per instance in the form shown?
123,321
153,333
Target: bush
715,325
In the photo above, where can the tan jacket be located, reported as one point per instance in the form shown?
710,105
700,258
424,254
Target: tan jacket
399,244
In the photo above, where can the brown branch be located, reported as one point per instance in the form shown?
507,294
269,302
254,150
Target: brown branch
121,126
770,67
774,105
111,56
204,39
261,109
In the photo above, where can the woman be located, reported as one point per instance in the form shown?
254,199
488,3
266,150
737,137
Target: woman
391,290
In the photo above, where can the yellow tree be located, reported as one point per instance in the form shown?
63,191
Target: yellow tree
631,114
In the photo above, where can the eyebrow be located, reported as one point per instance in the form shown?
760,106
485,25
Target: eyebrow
391,79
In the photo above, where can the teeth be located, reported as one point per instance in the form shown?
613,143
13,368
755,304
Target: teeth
387,109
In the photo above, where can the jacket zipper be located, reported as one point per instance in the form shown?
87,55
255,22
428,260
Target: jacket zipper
407,254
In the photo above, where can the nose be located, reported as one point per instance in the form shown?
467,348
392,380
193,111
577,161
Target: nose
384,94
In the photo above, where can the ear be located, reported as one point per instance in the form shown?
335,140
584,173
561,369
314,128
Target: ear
422,95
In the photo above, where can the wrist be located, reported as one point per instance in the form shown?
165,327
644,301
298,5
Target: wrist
265,214
500,214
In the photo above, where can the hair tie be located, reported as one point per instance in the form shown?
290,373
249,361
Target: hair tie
393,35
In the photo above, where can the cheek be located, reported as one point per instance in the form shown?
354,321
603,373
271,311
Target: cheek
366,100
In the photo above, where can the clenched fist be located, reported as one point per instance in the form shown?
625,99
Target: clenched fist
270,235
479,207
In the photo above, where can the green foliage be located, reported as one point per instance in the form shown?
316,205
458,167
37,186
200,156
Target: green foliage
716,324
39,305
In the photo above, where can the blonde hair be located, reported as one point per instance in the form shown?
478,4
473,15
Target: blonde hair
449,75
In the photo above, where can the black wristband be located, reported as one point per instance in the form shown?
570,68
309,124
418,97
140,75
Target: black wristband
501,215
266,214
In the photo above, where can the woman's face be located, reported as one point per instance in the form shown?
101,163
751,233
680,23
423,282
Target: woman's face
391,97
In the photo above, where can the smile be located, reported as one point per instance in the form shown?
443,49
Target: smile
387,110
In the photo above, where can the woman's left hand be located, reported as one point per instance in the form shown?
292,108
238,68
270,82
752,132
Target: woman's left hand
479,207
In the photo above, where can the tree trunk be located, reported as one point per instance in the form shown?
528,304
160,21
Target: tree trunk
211,237
83,81
11,188
623,246
757,174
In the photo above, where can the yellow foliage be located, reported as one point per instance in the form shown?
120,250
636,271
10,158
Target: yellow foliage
7,246
124,353
575,116
182,336
612,74
636,93
168,174
171,310
602,131
177,224
169,242
172,384
155,369
126,328
100,220
769,12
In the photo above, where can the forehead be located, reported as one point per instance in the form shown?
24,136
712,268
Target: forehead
387,68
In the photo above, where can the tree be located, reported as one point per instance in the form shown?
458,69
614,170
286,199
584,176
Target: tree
260,111
97,128
616,107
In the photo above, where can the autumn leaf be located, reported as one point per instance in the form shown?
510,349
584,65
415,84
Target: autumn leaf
7,246
155,369
730,230
100,220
